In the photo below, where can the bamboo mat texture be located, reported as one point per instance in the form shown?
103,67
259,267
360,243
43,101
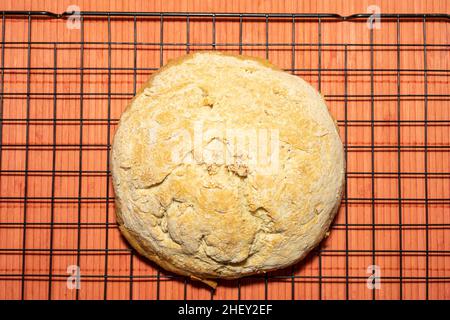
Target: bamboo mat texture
65,80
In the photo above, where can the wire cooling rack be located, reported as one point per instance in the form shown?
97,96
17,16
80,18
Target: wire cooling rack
65,79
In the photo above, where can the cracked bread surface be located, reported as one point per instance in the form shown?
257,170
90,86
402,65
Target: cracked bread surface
180,204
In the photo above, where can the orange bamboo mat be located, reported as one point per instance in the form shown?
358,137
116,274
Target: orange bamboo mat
391,102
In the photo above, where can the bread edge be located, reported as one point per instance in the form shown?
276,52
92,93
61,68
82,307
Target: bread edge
137,242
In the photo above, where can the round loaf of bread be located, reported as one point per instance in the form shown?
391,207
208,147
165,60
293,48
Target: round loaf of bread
225,166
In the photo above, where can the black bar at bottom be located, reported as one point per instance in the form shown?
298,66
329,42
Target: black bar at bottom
225,309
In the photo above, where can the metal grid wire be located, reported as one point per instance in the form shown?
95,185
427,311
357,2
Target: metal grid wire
16,280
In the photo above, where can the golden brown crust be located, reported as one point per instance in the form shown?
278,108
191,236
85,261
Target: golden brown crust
275,233
181,59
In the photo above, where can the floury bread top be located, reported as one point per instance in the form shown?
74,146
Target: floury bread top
224,166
